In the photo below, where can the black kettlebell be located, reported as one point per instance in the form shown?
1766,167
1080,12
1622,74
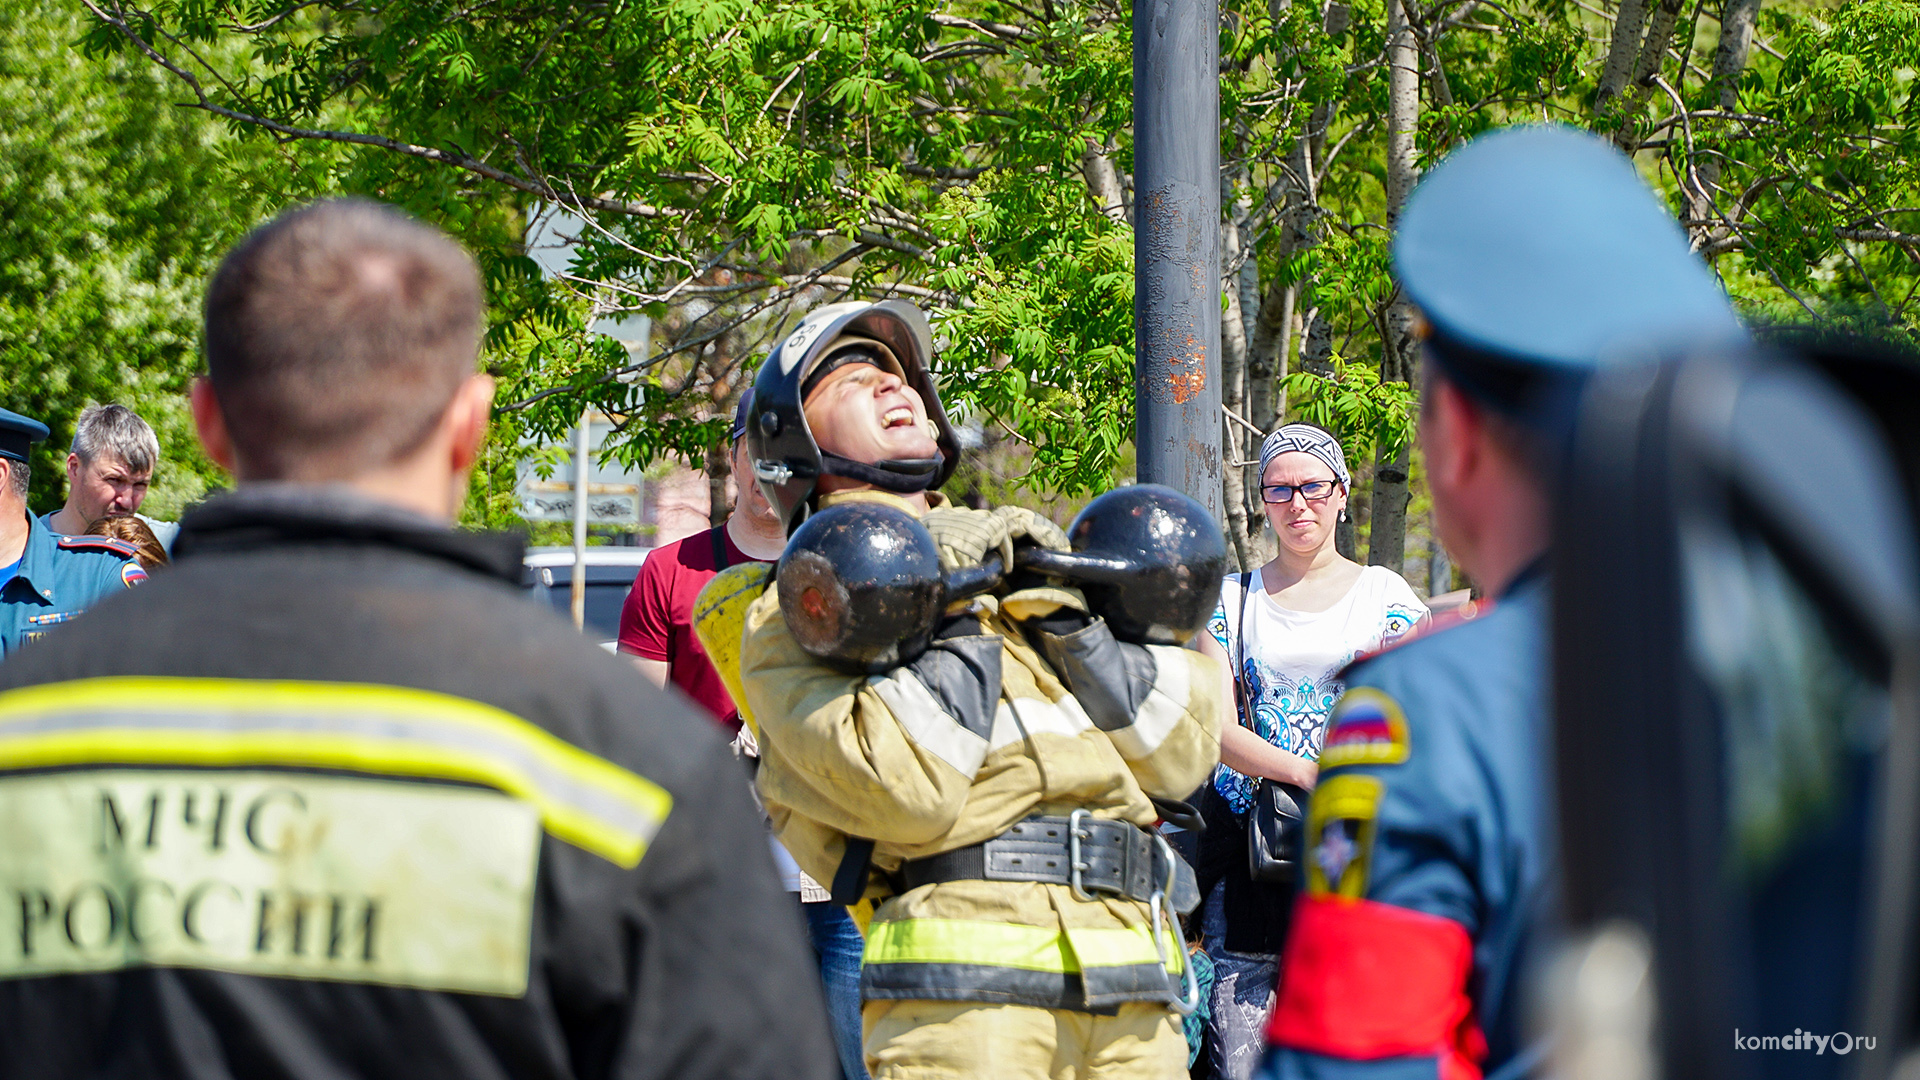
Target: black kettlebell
861,586
1149,560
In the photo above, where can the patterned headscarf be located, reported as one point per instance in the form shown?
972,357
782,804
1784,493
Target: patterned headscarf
1306,439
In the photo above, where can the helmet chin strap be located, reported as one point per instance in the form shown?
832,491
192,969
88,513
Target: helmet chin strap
902,476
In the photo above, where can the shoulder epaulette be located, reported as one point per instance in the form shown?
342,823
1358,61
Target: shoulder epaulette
98,543
1446,620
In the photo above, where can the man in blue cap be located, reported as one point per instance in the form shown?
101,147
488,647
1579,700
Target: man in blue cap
47,579
1536,255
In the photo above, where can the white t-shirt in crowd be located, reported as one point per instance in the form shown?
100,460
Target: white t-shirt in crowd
1291,658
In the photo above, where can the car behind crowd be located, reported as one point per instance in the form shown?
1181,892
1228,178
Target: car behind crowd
610,572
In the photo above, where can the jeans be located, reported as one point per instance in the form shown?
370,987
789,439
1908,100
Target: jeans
838,944
1243,985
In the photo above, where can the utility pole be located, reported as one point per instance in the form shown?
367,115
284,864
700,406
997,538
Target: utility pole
582,448
1176,245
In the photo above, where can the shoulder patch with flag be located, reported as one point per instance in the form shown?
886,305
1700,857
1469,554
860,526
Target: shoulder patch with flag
1367,728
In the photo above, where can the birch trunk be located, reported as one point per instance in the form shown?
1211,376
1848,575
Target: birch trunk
1267,356
1103,181
1270,345
1623,49
1233,370
1653,56
1388,546
1737,19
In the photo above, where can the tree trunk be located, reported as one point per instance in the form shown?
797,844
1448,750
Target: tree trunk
719,466
1270,342
1652,58
1388,546
1233,370
1267,356
1737,20
1622,51
1439,569
1103,181
1316,345
719,463
1388,543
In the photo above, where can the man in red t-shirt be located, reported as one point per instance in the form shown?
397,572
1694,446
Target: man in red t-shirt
656,623
656,629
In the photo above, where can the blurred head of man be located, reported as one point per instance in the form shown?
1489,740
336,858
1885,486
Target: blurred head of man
341,347
13,489
108,467
1490,505
859,406
760,531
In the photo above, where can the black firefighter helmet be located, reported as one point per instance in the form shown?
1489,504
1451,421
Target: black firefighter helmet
787,461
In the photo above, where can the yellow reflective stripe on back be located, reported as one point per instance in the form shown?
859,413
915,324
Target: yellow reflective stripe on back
1118,947
995,944
582,799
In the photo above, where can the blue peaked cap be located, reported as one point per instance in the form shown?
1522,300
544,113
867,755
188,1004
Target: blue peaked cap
1537,254
18,434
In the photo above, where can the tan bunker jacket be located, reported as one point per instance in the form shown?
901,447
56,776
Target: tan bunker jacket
954,749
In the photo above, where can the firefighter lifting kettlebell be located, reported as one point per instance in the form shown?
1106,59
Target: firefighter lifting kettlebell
966,716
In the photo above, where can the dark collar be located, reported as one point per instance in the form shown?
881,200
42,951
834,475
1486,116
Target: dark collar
264,516
1530,575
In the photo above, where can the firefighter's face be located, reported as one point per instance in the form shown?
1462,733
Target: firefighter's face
1303,525
867,414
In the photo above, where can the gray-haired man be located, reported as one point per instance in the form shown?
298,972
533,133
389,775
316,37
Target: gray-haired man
108,469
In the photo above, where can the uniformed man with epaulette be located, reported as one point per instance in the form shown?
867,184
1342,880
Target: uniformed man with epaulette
1536,255
45,579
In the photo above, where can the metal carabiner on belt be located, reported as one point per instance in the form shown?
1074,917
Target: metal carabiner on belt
1076,865
1157,916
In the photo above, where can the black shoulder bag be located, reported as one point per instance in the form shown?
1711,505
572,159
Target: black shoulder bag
1277,817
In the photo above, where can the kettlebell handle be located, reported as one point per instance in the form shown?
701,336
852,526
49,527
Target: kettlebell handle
1077,566
973,580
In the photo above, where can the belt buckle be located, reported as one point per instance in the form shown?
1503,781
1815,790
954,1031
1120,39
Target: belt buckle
1076,864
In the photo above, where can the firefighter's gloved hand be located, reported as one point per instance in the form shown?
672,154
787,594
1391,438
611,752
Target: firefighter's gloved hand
966,537
1046,602
1023,523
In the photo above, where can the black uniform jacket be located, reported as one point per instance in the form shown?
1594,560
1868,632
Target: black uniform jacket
330,799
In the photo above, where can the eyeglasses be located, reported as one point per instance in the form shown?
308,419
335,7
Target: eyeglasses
1314,490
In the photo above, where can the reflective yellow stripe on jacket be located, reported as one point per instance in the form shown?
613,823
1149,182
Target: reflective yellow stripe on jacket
978,960
997,944
381,730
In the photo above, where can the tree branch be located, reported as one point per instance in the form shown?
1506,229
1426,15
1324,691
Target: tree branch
992,29
426,153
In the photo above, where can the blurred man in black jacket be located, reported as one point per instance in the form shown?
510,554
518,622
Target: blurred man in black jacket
332,800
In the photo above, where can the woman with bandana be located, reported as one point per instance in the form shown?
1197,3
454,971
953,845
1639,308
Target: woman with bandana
1285,631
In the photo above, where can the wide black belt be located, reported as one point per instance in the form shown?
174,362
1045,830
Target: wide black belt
1093,856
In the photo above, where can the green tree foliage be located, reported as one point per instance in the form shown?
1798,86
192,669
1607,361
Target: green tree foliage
733,162
739,161
1816,209
114,205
